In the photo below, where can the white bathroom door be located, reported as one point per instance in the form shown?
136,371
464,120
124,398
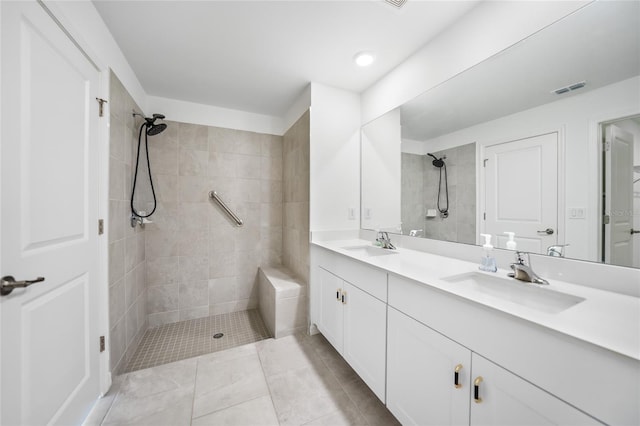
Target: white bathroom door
618,246
49,356
521,192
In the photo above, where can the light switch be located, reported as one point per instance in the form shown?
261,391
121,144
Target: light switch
577,213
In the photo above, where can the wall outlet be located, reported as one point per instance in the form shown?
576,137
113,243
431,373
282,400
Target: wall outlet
351,215
367,213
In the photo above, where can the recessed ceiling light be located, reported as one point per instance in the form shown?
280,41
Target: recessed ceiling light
364,59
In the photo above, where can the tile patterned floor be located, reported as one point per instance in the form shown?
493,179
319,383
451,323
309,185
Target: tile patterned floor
187,339
295,380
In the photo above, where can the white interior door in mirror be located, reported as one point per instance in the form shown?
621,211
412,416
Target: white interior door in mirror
521,192
618,247
381,173
49,174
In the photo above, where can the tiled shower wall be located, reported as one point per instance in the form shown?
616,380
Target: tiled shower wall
127,287
198,262
421,183
412,210
295,248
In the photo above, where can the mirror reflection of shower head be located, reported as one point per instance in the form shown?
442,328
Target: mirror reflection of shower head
438,162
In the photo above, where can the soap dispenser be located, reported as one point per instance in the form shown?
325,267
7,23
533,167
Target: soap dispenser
488,262
511,242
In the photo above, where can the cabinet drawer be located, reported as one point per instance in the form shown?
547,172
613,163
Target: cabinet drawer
367,278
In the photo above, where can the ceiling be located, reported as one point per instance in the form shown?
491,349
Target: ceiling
599,44
258,56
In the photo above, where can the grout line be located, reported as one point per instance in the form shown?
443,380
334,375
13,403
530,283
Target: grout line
193,400
340,382
267,382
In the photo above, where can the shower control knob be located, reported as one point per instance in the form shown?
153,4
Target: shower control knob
8,283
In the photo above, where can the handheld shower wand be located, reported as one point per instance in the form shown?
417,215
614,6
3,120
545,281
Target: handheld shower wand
439,163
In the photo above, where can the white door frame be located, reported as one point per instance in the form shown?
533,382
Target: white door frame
595,180
480,176
103,184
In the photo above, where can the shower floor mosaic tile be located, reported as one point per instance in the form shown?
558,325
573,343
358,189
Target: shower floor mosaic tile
187,339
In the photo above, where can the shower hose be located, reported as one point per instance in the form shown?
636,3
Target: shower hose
135,175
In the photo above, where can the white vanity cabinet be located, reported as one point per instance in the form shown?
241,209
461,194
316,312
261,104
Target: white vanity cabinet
354,322
407,338
331,312
506,399
575,375
432,380
421,366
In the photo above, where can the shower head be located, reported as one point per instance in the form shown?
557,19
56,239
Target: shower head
154,129
438,162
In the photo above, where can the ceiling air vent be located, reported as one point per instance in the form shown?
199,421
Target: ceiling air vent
396,3
569,88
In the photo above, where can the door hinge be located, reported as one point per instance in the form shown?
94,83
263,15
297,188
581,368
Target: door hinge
100,226
484,162
102,344
606,219
606,146
484,216
101,102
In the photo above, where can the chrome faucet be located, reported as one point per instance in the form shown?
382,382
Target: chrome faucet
557,250
522,270
384,240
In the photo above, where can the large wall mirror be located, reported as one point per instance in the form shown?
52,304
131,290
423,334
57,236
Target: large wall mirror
542,140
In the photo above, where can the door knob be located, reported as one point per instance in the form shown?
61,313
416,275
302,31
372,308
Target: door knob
635,231
547,231
8,283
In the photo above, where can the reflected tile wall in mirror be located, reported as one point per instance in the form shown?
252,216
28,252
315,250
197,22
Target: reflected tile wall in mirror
420,182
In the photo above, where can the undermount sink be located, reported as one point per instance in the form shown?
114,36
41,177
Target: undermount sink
369,250
526,294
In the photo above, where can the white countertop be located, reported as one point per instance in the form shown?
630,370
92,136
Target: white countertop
607,319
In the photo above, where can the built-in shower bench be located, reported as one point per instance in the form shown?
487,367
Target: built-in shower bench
282,300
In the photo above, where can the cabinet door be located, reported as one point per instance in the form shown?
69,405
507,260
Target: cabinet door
506,399
420,374
331,312
365,324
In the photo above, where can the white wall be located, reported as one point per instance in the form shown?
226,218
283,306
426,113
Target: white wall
381,171
334,158
486,30
576,120
81,19
209,115
300,106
